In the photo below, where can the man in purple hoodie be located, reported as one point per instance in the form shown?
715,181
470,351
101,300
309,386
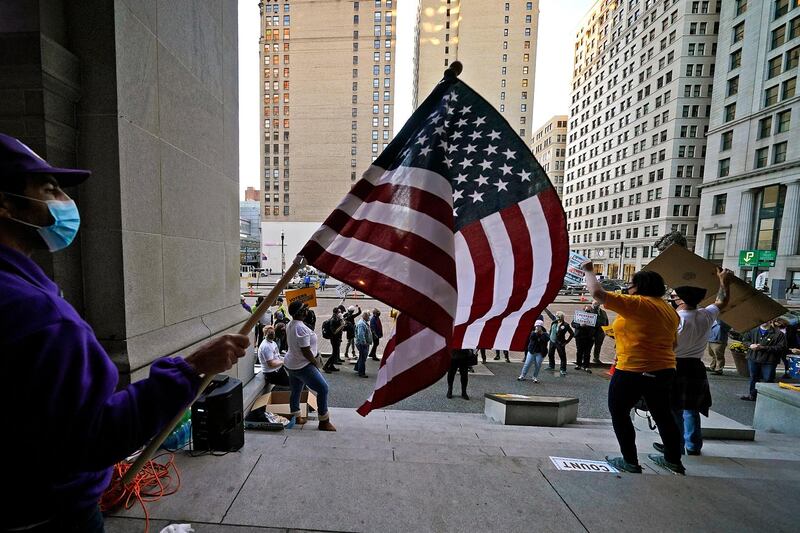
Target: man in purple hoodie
61,396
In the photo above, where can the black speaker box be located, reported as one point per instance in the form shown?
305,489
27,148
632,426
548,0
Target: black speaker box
218,416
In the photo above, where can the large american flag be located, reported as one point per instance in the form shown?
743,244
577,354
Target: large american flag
457,226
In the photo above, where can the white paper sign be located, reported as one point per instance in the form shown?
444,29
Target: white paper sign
582,465
343,290
582,318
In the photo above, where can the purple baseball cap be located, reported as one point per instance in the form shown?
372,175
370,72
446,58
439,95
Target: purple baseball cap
17,159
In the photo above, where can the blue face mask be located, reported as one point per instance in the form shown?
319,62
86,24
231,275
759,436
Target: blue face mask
62,232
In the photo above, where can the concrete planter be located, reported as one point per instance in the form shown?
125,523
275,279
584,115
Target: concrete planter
740,359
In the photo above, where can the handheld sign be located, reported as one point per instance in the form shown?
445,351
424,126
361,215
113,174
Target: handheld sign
307,296
747,308
574,275
582,318
343,290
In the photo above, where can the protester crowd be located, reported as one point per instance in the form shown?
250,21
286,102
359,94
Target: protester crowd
660,341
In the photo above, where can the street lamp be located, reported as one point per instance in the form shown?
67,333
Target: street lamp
283,256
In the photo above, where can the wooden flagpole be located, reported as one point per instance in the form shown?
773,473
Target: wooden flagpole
248,326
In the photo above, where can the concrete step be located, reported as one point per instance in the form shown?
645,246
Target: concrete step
716,426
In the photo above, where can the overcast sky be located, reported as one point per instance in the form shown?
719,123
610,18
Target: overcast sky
558,21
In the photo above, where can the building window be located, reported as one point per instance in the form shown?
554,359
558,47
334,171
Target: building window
738,32
720,200
730,112
779,153
762,156
774,67
778,37
715,248
782,7
724,167
792,57
784,121
741,7
733,86
726,141
794,28
764,127
770,213
788,88
771,96
736,59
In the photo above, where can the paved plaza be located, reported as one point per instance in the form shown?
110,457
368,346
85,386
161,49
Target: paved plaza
430,464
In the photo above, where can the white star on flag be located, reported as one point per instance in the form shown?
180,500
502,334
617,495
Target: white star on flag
425,151
456,135
461,178
501,185
490,150
479,121
506,169
439,130
485,164
457,194
465,109
509,154
462,122
470,148
482,180
526,176
475,135
422,140
476,197
494,135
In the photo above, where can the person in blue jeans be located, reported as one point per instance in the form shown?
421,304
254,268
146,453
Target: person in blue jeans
363,340
766,344
301,364
537,348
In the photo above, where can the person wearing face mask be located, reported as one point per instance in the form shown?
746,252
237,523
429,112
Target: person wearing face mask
645,332
765,346
271,360
691,394
792,344
65,387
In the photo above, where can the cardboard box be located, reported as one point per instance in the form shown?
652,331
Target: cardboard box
747,308
277,402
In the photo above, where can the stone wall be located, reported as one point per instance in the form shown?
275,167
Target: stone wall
145,94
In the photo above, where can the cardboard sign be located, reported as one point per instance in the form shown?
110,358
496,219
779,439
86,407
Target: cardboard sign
747,308
574,275
582,318
343,290
307,296
582,465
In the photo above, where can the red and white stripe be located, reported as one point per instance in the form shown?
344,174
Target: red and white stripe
505,275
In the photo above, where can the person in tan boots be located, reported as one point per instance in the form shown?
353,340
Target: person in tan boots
301,364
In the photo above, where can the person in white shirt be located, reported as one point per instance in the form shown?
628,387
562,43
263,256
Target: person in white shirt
691,394
271,360
301,364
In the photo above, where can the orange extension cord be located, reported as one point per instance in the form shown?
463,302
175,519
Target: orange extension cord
152,483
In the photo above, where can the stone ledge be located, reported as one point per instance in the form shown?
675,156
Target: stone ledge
522,410
772,390
777,410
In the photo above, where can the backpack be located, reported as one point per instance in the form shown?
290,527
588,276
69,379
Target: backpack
326,329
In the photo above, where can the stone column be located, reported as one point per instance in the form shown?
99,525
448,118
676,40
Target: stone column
790,223
745,222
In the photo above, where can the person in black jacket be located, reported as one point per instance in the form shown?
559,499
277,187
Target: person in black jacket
560,335
584,339
336,326
460,360
537,347
792,341
766,345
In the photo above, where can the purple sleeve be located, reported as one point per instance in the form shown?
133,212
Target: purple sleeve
74,399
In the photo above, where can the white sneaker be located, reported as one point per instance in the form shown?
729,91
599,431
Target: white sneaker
535,380
520,378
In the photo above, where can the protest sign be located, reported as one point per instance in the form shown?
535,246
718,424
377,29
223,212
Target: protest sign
574,275
307,296
582,318
747,307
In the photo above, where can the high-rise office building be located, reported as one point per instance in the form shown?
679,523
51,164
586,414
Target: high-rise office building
253,194
549,146
751,189
641,98
496,43
327,87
